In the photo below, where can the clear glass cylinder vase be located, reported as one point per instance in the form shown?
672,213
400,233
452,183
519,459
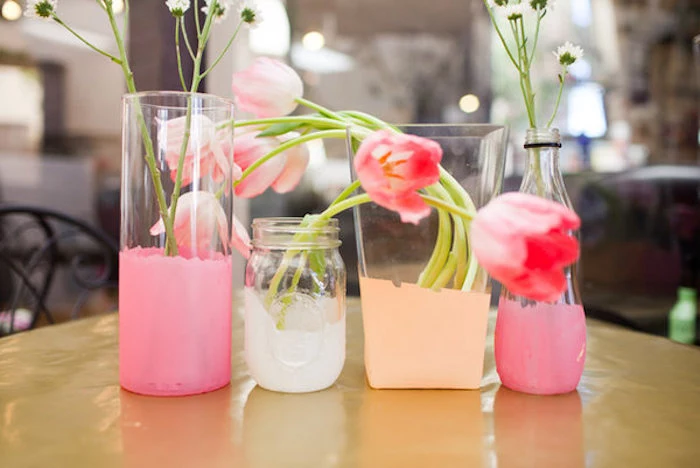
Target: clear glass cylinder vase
175,272
295,304
425,299
540,347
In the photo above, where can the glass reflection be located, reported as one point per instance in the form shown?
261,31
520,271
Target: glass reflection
188,431
541,431
287,429
421,428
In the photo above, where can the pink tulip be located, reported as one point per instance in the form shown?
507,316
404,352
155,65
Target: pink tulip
525,242
297,159
210,219
282,172
267,88
391,167
206,149
240,239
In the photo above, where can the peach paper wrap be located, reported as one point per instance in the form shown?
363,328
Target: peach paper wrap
420,338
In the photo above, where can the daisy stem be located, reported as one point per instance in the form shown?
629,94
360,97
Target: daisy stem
114,59
556,104
223,52
196,78
171,244
187,39
196,19
179,58
500,36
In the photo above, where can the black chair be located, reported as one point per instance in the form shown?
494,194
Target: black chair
44,253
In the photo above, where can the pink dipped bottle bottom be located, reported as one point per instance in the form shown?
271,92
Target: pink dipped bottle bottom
541,348
174,322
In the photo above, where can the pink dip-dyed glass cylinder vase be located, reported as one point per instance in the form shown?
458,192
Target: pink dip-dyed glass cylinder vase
540,348
175,304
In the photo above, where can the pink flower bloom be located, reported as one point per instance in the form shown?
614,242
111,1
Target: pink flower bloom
206,149
267,88
210,221
240,238
524,242
297,159
282,172
391,167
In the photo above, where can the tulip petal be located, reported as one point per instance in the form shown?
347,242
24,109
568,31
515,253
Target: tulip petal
410,206
391,167
294,169
240,238
525,242
261,178
267,88
554,250
209,218
547,285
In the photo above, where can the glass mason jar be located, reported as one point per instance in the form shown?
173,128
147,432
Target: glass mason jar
175,269
540,347
295,304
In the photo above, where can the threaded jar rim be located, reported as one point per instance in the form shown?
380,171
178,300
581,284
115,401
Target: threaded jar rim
285,233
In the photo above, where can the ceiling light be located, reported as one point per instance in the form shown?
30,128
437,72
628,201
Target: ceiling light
11,10
313,40
325,60
469,103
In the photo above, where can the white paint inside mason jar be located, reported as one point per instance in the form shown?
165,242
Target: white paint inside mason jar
305,355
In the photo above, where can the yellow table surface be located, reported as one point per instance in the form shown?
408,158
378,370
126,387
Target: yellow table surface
61,405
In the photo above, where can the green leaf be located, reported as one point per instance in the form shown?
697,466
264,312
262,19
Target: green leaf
280,129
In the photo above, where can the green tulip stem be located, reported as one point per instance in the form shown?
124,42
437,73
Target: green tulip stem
287,145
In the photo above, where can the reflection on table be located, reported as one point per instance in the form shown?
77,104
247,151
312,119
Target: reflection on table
61,405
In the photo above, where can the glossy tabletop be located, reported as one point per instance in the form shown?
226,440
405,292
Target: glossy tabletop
61,405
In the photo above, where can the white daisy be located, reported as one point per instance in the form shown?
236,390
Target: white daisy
40,8
250,14
539,5
515,11
497,3
178,7
568,53
222,9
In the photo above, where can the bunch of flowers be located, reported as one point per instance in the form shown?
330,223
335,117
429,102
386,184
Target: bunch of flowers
519,16
521,240
178,149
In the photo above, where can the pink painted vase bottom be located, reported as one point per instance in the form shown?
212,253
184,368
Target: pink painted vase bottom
174,323
540,348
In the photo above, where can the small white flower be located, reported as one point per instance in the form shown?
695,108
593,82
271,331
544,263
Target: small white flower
40,8
540,5
250,14
568,53
222,9
515,11
497,3
178,7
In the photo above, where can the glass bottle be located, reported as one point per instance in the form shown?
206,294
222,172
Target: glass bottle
295,304
682,318
540,347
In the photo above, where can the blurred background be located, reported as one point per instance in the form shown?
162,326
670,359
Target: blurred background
629,114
